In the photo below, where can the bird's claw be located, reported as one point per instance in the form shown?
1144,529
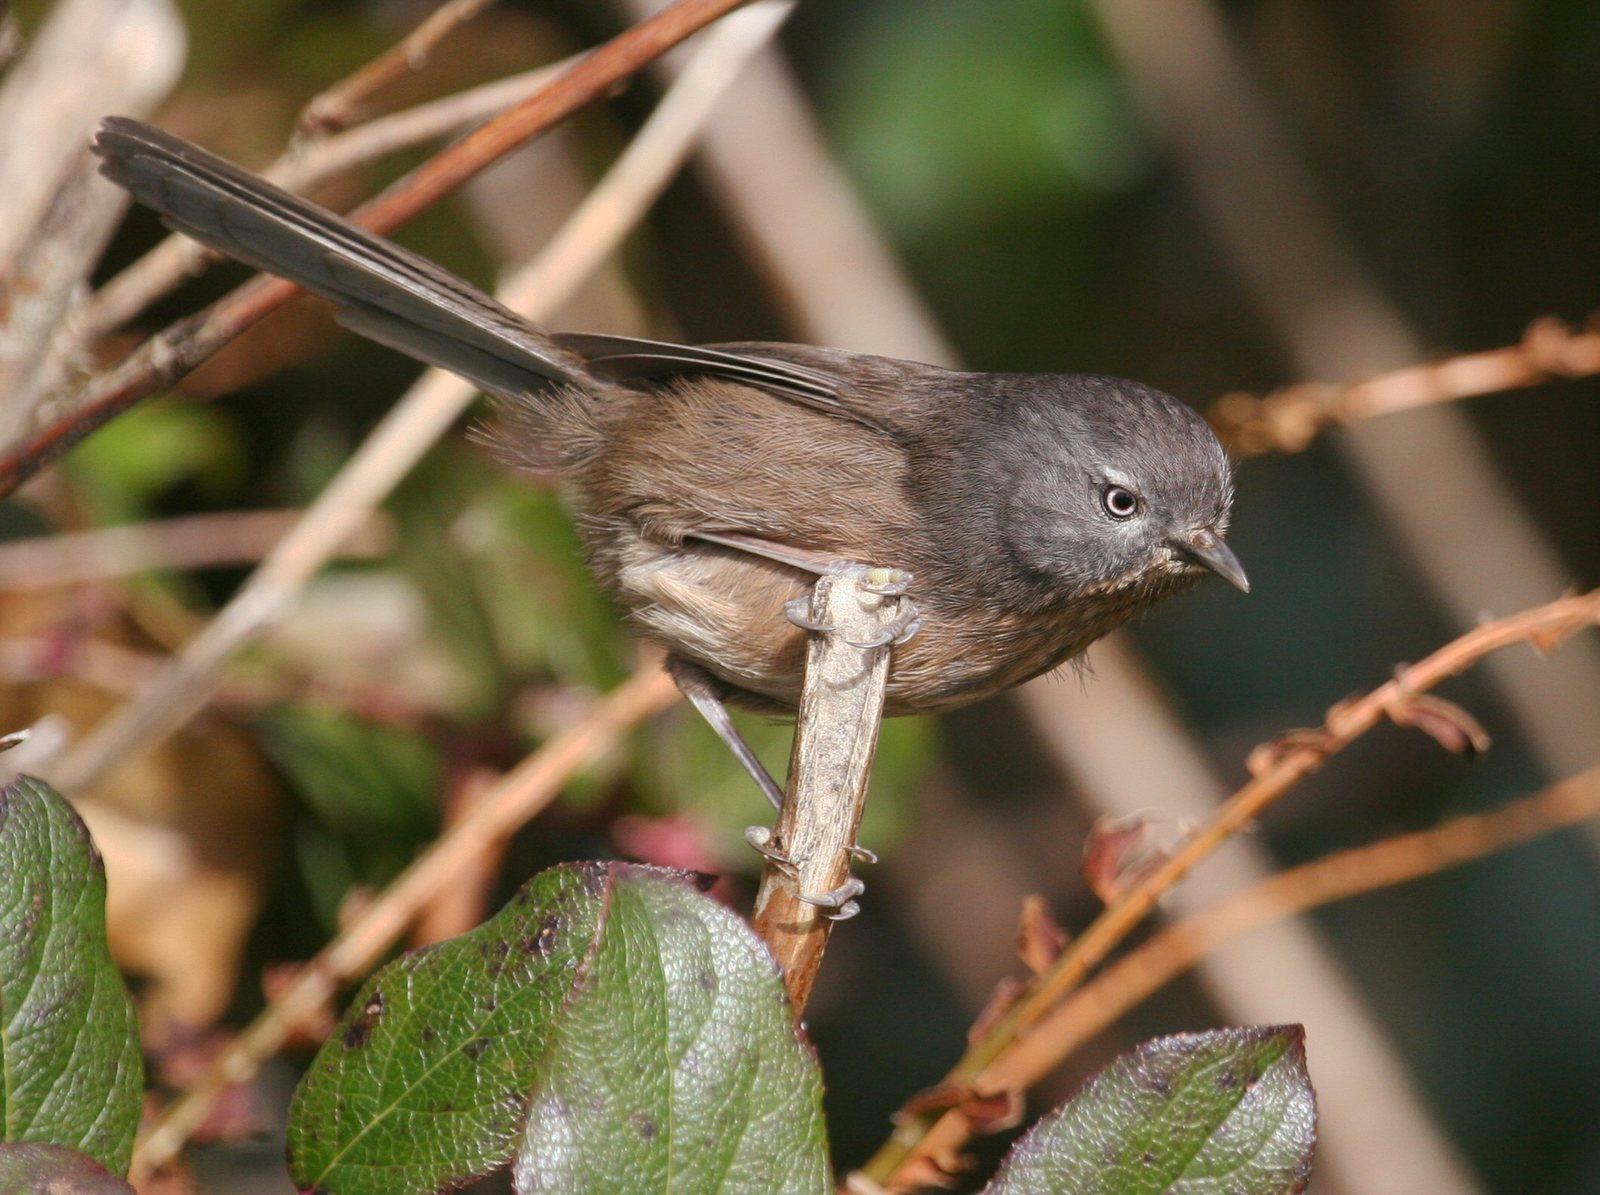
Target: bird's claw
904,625
768,847
841,902
798,611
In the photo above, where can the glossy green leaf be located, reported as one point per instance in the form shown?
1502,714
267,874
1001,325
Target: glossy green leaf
27,1168
1227,1112
612,1030
68,1039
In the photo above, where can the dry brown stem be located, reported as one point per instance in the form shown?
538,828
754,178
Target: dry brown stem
185,542
835,737
173,352
1339,876
301,168
56,213
337,106
1276,767
520,796
1288,420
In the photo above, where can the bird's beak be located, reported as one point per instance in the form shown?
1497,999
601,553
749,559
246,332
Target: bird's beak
1205,547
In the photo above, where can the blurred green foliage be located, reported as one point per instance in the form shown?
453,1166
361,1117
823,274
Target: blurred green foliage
997,145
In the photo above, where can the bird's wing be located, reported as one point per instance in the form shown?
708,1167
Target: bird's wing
872,391
381,290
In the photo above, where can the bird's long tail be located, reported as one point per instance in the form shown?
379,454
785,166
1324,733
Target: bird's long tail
381,290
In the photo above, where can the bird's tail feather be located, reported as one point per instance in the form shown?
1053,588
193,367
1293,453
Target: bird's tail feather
381,290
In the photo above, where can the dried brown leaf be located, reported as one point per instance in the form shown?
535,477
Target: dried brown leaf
1040,940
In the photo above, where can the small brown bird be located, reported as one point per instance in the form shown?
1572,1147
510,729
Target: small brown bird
1032,512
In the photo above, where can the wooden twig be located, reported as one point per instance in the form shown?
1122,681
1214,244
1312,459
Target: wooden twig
185,542
56,213
835,736
11,41
90,53
518,797
301,168
167,356
1289,419
1276,768
1339,876
336,107
431,406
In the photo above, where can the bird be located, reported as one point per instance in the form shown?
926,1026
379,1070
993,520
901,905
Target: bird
1022,516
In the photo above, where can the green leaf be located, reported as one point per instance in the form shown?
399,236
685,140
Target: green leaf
68,1039
611,1030
30,1169
1227,1112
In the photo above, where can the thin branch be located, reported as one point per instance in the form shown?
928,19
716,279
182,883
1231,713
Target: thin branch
110,667
11,40
56,213
301,168
336,107
1339,876
1289,419
1276,768
88,54
835,737
167,356
187,542
431,406
519,797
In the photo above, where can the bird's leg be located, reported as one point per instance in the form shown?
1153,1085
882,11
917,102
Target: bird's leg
878,579
706,694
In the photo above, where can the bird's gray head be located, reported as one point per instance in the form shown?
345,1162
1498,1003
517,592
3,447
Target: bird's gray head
1122,491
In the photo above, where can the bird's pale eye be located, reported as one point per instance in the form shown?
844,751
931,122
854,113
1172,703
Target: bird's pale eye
1119,502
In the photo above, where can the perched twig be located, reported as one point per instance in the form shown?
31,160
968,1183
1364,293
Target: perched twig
186,542
524,791
1276,768
302,167
170,354
430,407
337,106
1288,420
835,737
1339,876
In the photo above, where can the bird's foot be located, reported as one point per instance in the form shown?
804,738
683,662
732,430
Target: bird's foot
840,902
874,578
769,848
904,625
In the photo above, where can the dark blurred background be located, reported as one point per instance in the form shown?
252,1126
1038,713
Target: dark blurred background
1209,197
